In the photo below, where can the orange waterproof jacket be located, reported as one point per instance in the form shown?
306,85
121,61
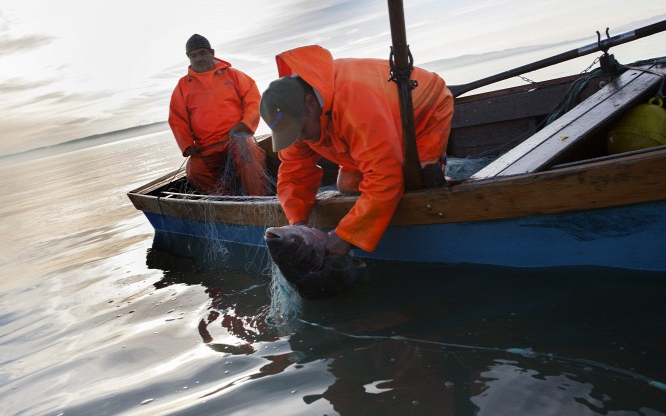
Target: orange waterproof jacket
205,105
360,131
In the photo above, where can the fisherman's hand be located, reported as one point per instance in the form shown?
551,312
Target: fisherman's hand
240,127
336,245
192,151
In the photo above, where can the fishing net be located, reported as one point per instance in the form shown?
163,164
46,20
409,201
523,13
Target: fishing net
286,302
245,175
460,168
245,170
246,178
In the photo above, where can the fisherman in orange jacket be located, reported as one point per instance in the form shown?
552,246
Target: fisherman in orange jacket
344,110
213,114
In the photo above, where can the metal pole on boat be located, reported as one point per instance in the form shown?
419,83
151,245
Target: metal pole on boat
401,70
600,45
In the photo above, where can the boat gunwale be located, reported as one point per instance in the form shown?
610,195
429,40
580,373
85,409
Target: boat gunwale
601,183
585,185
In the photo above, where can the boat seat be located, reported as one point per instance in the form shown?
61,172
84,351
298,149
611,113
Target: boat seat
541,149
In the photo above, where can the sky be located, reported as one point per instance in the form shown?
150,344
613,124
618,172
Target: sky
74,68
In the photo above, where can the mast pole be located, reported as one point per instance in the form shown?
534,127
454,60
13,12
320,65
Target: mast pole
401,62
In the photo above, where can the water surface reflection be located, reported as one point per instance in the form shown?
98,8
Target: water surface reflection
430,339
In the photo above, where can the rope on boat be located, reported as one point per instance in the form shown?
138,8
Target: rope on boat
571,98
565,105
525,352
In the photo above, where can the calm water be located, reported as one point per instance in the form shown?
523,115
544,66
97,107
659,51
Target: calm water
95,321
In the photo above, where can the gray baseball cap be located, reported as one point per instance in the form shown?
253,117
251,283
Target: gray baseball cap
281,108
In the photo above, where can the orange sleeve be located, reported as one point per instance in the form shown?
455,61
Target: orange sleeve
376,146
369,120
299,178
179,120
250,98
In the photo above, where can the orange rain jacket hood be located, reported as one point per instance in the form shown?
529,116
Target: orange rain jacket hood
206,105
360,131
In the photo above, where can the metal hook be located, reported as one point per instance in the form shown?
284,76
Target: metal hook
604,49
606,61
601,48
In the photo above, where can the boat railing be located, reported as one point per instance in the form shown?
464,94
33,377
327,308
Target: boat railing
202,197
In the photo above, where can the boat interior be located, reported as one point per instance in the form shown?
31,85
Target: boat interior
536,127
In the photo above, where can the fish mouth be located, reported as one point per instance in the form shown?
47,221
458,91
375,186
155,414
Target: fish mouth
278,242
273,235
273,241
269,235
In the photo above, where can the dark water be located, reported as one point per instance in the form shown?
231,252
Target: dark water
99,319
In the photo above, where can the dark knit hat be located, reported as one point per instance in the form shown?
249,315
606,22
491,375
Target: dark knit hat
196,42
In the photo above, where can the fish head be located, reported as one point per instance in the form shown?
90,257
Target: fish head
296,250
300,254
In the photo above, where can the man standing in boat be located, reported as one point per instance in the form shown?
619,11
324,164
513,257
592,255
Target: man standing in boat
213,114
345,111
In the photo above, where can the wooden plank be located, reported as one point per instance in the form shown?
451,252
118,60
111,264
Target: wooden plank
158,183
539,150
489,124
538,101
266,212
629,180
489,139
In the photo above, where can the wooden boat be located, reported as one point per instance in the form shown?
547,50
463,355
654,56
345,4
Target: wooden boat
551,196
555,198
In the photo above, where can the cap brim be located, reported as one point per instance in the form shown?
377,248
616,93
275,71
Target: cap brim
285,133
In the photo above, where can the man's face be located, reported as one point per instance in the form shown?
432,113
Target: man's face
310,122
202,59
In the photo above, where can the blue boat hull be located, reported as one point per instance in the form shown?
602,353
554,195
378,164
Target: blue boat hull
630,237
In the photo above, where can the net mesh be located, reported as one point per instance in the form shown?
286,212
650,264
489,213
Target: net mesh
245,170
246,175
